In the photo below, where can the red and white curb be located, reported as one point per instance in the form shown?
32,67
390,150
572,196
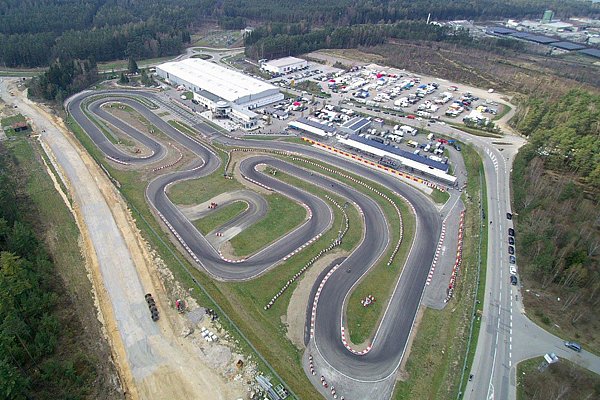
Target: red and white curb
458,262
437,254
117,161
171,164
347,346
179,238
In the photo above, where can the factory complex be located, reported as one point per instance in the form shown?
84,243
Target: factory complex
226,92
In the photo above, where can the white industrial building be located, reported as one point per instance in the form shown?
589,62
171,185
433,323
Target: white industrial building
201,77
227,93
284,65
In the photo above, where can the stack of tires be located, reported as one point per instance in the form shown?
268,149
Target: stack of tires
152,306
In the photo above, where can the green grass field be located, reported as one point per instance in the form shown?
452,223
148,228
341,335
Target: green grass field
202,56
283,216
440,197
220,216
438,352
119,65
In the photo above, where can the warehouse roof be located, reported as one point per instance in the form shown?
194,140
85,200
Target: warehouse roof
591,52
356,123
541,39
568,45
285,61
401,153
316,124
223,82
500,31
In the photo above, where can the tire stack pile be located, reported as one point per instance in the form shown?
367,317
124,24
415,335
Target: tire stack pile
152,306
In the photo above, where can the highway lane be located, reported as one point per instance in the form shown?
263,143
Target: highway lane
392,336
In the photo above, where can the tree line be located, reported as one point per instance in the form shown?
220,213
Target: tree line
30,332
564,133
280,39
352,12
556,182
62,79
36,32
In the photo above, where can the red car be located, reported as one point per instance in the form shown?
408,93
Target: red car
410,116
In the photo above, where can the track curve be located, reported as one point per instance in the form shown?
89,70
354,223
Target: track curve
392,335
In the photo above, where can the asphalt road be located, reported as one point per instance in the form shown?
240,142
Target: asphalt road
392,335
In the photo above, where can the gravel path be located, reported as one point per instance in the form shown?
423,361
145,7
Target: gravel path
154,362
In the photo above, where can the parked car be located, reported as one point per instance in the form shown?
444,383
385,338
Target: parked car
508,215
511,240
511,250
513,280
511,232
513,269
512,259
573,346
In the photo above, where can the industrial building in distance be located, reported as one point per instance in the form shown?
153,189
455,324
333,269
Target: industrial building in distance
284,65
227,93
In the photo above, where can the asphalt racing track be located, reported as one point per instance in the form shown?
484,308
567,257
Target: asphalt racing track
392,335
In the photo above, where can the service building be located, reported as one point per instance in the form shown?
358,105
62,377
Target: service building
284,65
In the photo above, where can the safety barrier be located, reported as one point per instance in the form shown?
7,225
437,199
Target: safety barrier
458,261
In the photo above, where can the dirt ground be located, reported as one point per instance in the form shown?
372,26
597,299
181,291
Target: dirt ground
181,374
296,312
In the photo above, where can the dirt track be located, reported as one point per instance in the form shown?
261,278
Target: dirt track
153,360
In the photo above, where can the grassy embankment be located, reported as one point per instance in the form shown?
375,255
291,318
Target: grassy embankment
504,109
475,131
563,380
438,352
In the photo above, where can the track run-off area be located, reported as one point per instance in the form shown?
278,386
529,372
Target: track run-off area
326,340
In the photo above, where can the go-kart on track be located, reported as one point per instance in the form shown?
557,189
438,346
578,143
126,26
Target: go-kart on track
388,346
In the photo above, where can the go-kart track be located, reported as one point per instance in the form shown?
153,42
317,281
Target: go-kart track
387,348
